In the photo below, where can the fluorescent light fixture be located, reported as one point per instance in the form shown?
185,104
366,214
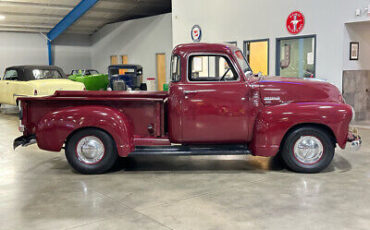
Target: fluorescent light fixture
2,17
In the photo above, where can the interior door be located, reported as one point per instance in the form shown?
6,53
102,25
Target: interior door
113,60
124,61
257,53
161,70
215,102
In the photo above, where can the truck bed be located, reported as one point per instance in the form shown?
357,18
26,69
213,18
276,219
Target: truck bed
144,109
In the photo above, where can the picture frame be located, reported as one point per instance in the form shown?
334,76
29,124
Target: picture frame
354,51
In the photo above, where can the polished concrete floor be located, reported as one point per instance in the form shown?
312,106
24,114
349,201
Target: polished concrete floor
38,190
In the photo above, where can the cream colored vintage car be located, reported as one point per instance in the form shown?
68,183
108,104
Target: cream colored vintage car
31,81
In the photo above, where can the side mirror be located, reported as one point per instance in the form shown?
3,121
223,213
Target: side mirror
248,73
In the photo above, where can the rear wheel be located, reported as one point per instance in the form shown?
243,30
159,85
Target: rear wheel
308,150
91,151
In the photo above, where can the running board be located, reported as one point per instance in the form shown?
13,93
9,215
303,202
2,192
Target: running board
191,150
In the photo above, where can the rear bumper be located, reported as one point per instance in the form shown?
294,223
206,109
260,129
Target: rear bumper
24,141
354,139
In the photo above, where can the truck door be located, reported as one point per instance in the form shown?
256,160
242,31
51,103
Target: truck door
215,102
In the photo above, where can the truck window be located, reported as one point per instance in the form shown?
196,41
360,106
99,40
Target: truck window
211,68
175,69
242,61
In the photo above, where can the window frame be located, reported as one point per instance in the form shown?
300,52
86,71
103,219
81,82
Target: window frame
228,60
171,67
245,49
278,51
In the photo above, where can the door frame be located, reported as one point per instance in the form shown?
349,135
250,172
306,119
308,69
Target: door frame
277,44
268,50
121,57
156,67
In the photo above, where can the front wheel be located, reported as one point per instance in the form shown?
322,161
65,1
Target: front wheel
308,150
91,151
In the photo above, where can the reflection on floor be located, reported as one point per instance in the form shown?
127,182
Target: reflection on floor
38,190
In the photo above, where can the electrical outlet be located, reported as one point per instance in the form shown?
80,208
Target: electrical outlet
358,12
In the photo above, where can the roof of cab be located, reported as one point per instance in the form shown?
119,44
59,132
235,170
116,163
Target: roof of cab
205,47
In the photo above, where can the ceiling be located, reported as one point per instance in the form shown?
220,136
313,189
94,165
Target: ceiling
43,15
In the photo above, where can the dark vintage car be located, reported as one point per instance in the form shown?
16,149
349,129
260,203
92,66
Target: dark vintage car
122,77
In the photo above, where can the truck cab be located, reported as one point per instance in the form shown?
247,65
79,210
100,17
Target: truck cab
209,86
215,106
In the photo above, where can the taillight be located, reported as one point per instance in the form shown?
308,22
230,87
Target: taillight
35,92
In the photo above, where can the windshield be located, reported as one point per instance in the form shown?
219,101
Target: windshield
91,72
46,74
242,61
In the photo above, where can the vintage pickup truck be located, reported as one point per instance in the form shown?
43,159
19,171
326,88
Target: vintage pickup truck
215,105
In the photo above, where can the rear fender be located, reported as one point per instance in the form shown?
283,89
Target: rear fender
55,127
273,122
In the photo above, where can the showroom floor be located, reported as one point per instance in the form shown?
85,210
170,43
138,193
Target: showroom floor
38,190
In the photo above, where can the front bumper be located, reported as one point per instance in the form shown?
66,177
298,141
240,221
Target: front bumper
24,141
354,139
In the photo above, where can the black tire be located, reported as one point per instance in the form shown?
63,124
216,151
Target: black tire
292,160
104,164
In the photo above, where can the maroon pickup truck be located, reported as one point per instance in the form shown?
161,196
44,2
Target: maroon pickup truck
215,106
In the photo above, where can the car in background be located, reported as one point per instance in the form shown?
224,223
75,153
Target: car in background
33,80
92,79
83,72
126,77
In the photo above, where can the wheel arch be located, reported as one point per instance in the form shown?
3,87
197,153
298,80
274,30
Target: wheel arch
322,127
273,123
62,123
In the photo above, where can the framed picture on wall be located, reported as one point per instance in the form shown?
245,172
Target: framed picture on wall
354,51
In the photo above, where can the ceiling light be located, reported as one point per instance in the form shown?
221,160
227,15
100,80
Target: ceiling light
2,17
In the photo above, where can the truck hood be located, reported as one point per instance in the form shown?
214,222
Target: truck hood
279,90
49,86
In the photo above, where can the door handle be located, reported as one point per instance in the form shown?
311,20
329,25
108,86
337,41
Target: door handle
188,92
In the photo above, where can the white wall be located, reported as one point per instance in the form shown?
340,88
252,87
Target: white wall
31,49
72,52
22,49
238,20
140,39
357,32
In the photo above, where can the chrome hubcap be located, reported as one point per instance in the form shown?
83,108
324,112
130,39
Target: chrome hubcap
90,150
308,149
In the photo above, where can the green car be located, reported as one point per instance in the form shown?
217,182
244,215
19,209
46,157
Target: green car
92,79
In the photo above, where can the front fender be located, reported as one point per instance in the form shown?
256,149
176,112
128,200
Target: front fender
273,122
54,128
